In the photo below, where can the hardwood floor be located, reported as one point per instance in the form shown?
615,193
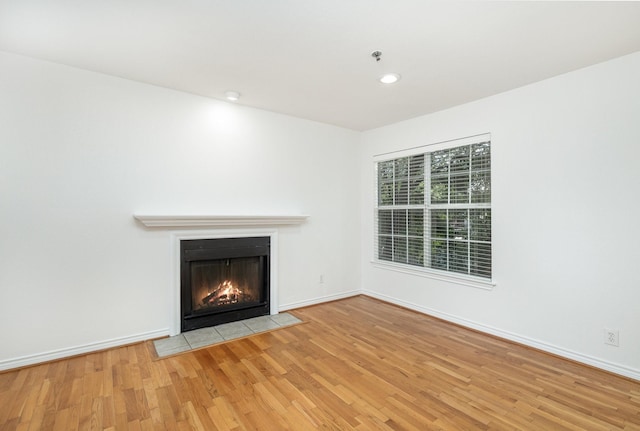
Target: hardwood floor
356,364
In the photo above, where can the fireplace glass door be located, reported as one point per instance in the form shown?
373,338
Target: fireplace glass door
226,283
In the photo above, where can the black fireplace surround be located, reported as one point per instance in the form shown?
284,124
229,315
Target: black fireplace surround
223,280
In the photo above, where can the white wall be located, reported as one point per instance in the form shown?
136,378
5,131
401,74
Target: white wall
81,152
566,200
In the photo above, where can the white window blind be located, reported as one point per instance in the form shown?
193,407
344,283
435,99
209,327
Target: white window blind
433,207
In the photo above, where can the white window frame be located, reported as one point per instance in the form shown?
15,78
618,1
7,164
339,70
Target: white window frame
437,274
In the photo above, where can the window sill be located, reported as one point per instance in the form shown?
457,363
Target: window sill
436,275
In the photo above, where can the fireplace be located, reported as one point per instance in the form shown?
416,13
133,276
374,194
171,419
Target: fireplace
223,280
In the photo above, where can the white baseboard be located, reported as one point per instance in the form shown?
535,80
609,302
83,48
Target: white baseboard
622,370
549,348
319,300
52,355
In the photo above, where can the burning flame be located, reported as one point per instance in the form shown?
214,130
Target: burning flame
225,293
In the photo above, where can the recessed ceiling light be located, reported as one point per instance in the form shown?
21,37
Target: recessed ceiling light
232,95
389,78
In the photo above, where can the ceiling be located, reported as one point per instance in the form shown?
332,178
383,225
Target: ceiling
312,59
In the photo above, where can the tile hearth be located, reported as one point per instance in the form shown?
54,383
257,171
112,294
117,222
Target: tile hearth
226,332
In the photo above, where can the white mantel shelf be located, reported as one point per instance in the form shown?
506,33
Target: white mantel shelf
218,220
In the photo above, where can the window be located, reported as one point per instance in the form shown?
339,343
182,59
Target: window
434,208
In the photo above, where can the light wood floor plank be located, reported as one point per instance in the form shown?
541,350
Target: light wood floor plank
355,364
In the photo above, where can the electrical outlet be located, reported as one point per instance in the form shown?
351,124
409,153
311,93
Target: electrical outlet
612,337
321,279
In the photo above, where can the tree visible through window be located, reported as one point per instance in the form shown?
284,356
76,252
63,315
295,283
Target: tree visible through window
434,210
